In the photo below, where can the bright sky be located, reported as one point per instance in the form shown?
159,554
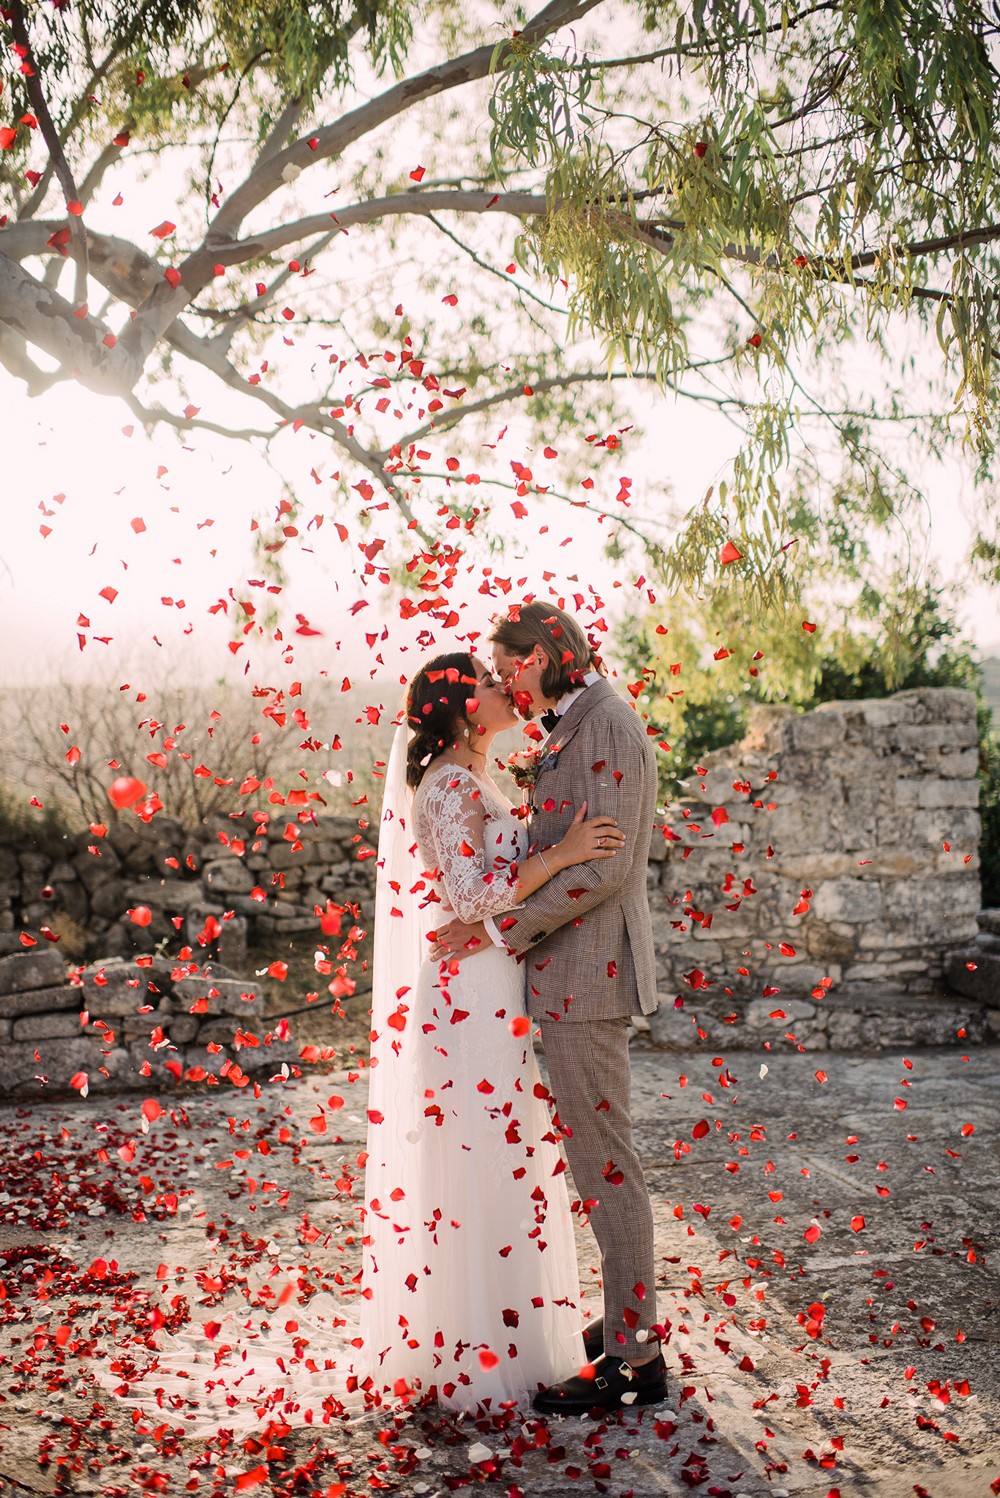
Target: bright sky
166,525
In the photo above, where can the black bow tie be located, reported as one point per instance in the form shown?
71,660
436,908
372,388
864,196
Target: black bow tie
549,719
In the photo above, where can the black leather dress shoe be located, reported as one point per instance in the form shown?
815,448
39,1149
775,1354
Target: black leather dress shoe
593,1339
606,1384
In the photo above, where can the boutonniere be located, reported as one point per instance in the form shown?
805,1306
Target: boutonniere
525,766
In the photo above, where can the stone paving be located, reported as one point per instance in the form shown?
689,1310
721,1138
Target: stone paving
825,1233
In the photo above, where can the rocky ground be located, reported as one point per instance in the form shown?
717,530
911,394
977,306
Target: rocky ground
825,1229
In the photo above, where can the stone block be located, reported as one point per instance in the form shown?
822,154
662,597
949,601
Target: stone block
107,898
877,714
233,943
71,899
818,730
989,922
60,1059
767,727
924,905
974,973
947,704
93,870
280,856
37,1027
848,901
224,995
23,971
932,794
164,894
844,1029
40,1000
179,1028
35,913
229,876
674,1029
758,1015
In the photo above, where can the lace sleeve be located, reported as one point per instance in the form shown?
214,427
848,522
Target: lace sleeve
475,853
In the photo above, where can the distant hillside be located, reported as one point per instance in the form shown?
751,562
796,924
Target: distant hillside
991,685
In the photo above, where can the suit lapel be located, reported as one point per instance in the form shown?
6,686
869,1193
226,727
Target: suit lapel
569,723
589,699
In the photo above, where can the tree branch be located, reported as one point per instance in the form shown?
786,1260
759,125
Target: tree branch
442,422
33,87
520,204
332,140
201,351
49,322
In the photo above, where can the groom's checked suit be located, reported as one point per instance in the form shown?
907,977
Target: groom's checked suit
587,944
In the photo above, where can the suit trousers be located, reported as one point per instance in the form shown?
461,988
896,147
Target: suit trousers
589,1074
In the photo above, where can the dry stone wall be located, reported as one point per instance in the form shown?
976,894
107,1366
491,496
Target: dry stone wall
819,875
814,887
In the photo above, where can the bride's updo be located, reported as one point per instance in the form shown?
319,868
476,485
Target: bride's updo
436,710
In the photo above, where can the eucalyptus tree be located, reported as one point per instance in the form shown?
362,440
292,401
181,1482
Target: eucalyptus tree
743,205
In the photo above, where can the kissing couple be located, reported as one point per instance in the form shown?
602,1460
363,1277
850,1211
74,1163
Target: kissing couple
488,928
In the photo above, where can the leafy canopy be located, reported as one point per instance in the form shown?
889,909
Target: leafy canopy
787,213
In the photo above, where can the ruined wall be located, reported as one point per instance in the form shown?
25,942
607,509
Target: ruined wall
820,871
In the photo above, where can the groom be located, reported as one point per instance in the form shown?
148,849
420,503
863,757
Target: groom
587,944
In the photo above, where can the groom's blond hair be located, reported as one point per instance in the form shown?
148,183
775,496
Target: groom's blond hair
568,651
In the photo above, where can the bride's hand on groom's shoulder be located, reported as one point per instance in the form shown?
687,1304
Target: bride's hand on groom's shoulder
458,940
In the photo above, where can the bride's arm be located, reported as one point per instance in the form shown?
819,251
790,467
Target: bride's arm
454,816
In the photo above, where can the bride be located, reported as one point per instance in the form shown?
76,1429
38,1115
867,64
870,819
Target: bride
470,1278
469,1286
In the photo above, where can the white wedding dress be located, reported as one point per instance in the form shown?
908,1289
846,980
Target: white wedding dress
469,1290
470,1264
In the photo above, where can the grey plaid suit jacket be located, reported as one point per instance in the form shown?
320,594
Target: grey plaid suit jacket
586,937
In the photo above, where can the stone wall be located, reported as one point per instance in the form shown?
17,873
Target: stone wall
819,874
117,1013
269,877
811,889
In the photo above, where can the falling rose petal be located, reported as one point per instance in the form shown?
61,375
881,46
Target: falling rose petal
700,1129
417,175
812,1232
141,915
164,230
857,1224
80,1082
729,554
278,970
487,1359
520,1025
126,791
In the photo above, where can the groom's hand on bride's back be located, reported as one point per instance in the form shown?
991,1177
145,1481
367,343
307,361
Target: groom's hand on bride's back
458,940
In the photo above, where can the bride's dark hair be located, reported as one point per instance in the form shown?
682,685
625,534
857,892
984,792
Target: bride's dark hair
436,709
